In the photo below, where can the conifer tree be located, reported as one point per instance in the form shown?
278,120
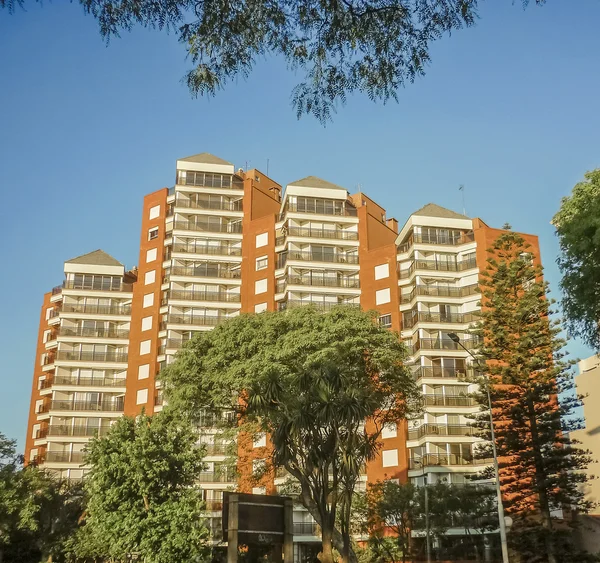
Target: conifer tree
531,388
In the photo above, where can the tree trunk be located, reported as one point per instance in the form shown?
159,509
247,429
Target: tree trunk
540,476
326,555
346,548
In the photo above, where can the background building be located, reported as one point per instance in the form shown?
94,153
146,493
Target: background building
222,242
588,385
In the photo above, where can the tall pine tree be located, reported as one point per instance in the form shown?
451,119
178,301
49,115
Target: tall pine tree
533,401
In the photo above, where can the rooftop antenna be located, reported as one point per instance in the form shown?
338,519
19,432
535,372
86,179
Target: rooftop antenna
461,189
267,166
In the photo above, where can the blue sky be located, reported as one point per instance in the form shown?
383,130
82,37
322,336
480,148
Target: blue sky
508,108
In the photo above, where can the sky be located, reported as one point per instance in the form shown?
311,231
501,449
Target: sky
508,108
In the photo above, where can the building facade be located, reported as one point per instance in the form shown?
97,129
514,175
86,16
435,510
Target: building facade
223,242
588,385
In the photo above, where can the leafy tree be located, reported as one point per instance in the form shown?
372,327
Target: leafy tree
23,491
396,507
578,228
400,508
310,380
141,496
341,46
540,467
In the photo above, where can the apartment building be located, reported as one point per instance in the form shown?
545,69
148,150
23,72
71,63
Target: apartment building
81,362
223,242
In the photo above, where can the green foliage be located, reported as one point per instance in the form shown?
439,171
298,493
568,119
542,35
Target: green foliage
401,508
141,496
37,513
341,46
310,380
531,393
578,228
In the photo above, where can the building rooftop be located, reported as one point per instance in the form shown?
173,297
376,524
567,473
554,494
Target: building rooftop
205,158
97,258
434,210
314,182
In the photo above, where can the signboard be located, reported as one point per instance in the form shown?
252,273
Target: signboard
260,518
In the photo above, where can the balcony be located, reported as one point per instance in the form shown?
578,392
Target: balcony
447,239
88,381
322,207
198,320
323,281
216,250
218,449
94,332
80,406
442,372
122,310
215,477
79,356
209,180
212,271
429,460
306,529
309,256
63,457
56,430
207,227
321,305
54,313
213,420
438,266
281,260
441,430
438,318
213,296
222,205
442,344
337,234
430,400
98,284
439,291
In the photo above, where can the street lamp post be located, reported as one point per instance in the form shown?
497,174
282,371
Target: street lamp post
502,523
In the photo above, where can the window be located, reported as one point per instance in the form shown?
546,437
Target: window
262,262
146,323
262,240
385,320
49,312
389,458
382,271
260,307
389,431
150,277
148,300
527,257
47,334
260,440
144,371
36,429
260,286
154,212
259,466
141,397
151,255
152,233
382,296
145,347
